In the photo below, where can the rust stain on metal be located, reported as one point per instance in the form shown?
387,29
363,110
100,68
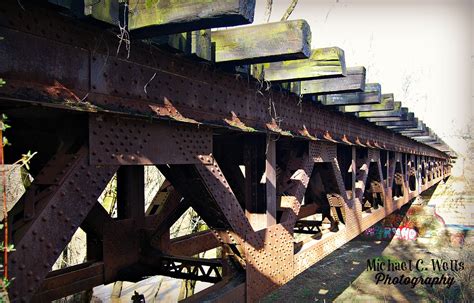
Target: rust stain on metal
305,133
346,140
234,121
274,127
169,110
63,196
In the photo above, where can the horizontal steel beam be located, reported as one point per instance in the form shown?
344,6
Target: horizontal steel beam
63,282
193,244
171,88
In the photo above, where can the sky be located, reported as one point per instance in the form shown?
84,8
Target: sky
420,50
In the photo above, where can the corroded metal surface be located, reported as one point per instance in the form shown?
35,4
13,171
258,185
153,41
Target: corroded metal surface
155,84
197,124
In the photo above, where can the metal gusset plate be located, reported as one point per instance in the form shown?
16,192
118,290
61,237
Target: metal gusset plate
121,141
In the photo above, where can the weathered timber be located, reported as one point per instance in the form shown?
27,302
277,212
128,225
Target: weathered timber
405,116
112,12
109,11
270,42
78,7
386,104
414,133
429,140
158,17
396,112
372,95
419,128
428,137
323,63
354,81
195,43
399,124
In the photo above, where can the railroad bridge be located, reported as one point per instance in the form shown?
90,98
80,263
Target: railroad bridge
251,127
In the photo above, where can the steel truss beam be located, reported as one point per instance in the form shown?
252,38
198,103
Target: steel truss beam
204,187
204,109
206,270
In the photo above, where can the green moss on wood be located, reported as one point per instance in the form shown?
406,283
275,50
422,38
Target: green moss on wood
150,18
386,104
263,43
354,81
372,95
196,43
323,62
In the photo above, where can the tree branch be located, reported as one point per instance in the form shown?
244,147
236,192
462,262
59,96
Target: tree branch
289,10
268,10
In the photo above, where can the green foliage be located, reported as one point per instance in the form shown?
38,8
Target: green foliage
2,82
25,159
150,3
9,247
3,125
24,164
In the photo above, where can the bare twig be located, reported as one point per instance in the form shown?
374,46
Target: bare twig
148,83
289,10
124,35
20,4
268,10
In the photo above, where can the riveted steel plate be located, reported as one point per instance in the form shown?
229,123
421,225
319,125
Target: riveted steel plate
55,170
269,254
373,154
121,247
150,76
322,151
123,141
225,198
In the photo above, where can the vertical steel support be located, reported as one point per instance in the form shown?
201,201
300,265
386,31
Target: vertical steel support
270,180
387,164
405,173
354,172
254,163
131,193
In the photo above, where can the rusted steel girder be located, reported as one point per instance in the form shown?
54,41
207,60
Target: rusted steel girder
77,71
121,248
48,61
